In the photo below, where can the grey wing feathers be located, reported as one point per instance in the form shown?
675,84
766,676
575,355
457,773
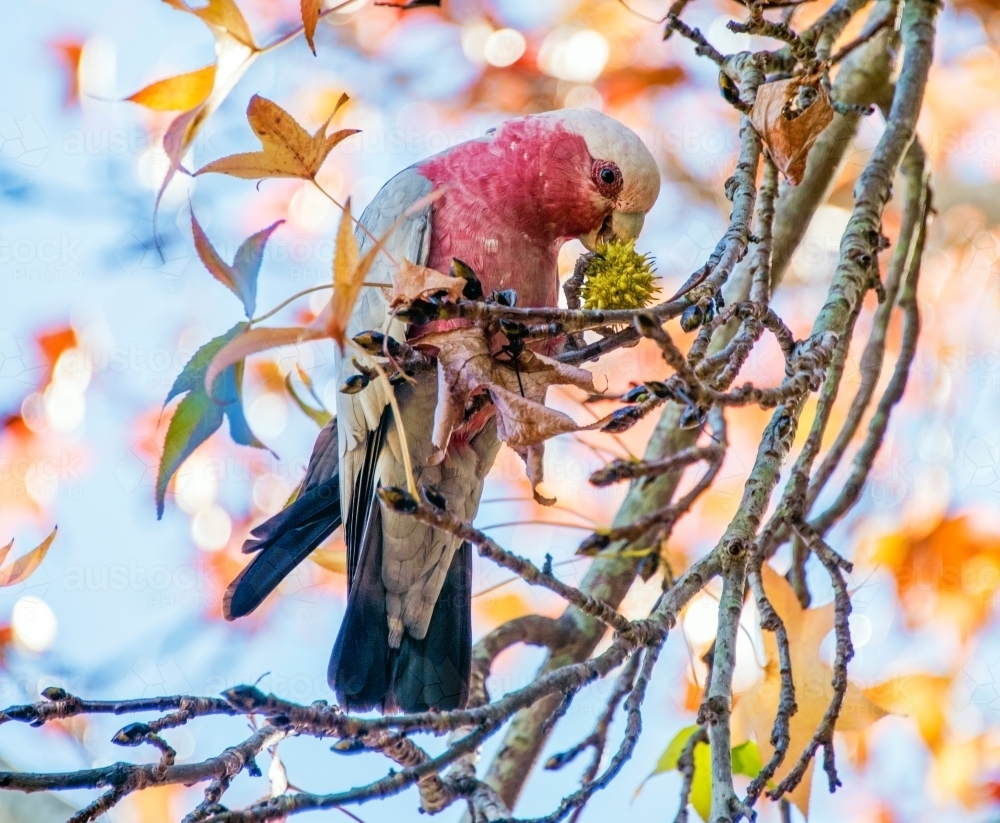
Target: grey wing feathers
360,416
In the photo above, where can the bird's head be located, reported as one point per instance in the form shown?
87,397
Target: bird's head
565,174
622,181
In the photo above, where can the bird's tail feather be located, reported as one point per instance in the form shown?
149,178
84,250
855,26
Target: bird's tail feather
282,543
432,673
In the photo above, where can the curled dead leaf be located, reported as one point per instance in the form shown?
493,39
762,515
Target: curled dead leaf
414,282
467,367
181,92
787,125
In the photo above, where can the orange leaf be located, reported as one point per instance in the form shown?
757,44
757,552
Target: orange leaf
222,15
789,130
288,150
179,93
347,277
757,708
22,568
251,342
68,52
310,17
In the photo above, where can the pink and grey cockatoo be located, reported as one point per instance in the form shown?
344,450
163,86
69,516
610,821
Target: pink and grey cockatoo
511,199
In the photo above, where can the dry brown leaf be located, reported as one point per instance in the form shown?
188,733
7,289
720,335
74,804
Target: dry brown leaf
310,17
22,568
467,367
219,15
182,92
756,709
288,150
788,138
414,282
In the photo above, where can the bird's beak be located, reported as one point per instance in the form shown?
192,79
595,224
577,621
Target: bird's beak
619,225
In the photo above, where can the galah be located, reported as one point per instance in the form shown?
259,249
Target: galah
511,199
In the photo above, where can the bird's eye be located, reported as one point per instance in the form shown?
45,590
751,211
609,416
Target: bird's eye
607,177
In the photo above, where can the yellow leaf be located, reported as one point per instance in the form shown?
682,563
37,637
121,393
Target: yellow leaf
920,696
222,15
310,17
22,568
235,52
179,93
755,712
287,149
331,560
347,279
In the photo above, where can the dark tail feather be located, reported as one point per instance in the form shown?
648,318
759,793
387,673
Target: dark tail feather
421,674
360,664
283,542
433,673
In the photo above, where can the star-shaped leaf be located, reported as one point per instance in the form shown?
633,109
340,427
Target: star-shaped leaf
287,149
240,277
755,711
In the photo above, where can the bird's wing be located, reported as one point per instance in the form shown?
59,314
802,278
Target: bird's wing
361,416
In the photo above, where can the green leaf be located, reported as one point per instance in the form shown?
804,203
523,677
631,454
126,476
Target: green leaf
241,277
319,416
746,759
672,754
701,782
198,416
192,376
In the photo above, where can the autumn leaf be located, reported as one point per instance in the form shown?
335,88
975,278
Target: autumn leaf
288,150
68,51
924,697
240,277
413,282
755,711
310,17
235,52
951,566
22,568
745,761
179,93
466,367
789,126
220,16
318,413
199,415
237,348
330,559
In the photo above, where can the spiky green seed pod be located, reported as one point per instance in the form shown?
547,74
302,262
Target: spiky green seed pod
618,277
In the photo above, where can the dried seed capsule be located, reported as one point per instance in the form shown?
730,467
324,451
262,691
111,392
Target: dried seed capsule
473,287
647,325
593,545
637,394
399,500
355,383
132,735
692,317
433,497
245,697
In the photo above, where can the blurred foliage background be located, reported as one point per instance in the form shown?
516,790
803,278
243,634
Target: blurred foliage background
95,324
